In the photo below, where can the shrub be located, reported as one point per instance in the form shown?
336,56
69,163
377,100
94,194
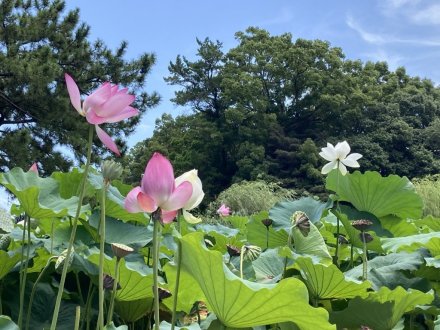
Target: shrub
429,189
249,197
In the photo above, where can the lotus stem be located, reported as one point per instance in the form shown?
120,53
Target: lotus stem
364,258
114,289
101,257
337,219
267,237
24,268
178,260
289,245
34,289
156,246
241,261
73,233
77,317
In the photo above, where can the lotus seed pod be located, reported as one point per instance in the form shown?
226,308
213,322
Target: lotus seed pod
111,170
361,224
5,240
251,252
62,259
164,293
233,251
121,250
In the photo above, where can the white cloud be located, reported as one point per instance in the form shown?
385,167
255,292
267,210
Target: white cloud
400,3
381,39
427,16
394,61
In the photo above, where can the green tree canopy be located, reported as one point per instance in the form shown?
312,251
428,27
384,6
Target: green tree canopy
39,42
273,101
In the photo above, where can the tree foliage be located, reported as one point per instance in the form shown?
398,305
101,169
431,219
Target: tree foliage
39,42
272,101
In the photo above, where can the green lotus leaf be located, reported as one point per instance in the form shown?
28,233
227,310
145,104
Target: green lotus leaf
410,243
282,212
433,262
69,183
386,270
38,197
269,266
122,232
378,195
311,245
111,326
133,310
164,325
354,234
257,235
114,202
240,303
7,324
437,323
399,227
430,222
328,282
135,279
7,261
381,310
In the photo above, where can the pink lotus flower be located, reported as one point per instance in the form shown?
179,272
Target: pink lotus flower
108,104
224,211
158,190
34,168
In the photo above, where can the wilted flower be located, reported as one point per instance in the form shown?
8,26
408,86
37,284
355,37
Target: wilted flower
108,104
267,222
224,211
300,220
196,197
59,264
365,237
158,190
109,282
209,241
342,239
250,252
164,293
338,157
233,251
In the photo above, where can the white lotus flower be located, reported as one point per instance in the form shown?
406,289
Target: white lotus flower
196,197
338,157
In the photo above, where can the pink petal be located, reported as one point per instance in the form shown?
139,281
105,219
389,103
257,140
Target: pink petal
73,90
124,114
107,140
131,202
34,168
158,179
146,203
168,216
98,97
114,105
179,197
93,119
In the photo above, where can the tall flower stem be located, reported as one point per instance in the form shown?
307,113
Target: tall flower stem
73,233
23,268
101,257
337,219
114,289
156,247
364,258
178,261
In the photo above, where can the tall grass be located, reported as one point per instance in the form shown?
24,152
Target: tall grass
429,189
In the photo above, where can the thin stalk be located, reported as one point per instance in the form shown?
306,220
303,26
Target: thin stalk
267,237
176,287
23,284
89,302
51,236
34,289
114,289
23,237
77,317
101,259
156,246
337,219
289,244
241,262
364,258
73,233
78,286
1,291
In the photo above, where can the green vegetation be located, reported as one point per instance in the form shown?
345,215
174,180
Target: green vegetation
429,189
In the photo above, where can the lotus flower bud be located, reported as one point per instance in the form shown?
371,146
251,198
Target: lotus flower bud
111,170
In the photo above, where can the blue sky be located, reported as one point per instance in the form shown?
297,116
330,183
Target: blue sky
401,32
